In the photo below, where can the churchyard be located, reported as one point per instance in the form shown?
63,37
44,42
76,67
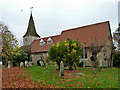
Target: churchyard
61,69
19,71
42,77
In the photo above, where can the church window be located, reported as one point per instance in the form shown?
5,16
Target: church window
85,55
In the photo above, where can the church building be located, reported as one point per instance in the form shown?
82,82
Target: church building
97,35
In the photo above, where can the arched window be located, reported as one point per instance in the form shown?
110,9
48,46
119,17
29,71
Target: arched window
42,42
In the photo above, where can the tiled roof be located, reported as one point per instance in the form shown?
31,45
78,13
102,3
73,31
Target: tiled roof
91,34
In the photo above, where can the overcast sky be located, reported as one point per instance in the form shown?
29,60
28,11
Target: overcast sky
53,16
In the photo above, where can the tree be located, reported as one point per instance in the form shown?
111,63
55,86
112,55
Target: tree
116,36
28,51
1,42
21,56
9,43
67,51
116,60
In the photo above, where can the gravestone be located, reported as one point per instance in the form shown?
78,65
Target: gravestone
100,68
1,64
61,69
77,74
41,63
100,63
21,64
29,63
75,66
9,64
26,63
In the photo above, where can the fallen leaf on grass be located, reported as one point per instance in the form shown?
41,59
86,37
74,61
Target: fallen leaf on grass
98,84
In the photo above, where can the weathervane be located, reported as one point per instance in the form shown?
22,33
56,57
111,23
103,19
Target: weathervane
31,8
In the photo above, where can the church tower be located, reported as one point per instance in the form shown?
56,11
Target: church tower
31,33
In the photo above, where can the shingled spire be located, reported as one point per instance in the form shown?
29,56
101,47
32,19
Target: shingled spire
31,31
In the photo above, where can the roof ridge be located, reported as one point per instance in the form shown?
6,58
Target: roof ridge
51,36
84,26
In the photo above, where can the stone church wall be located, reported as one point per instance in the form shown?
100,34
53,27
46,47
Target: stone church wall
28,40
36,57
105,52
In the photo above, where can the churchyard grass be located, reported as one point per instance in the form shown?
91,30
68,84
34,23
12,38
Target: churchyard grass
107,78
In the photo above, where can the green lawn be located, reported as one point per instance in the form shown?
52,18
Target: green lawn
107,78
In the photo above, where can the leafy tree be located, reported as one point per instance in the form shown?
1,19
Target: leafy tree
116,60
117,36
9,43
21,56
67,51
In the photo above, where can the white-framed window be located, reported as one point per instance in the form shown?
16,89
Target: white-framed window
86,56
49,41
42,42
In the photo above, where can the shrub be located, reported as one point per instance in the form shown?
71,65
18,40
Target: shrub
67,51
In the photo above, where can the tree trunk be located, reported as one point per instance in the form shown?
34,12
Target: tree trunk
6,62
28,56
58,64
70,66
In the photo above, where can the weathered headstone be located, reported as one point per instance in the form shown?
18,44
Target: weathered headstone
9,64
61,69
26,63
41,63
77,74
29,63
75,66
21,64
100,63
0,64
